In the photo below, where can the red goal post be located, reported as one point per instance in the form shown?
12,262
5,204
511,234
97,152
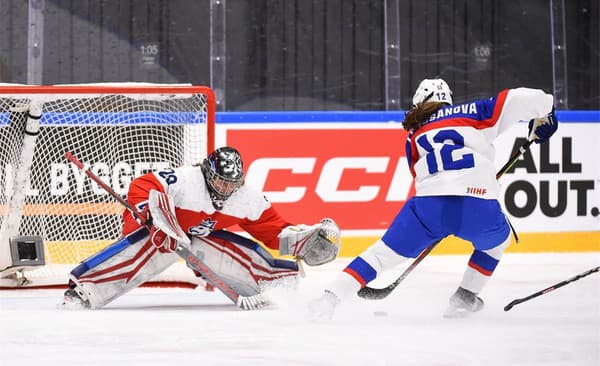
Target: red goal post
121,130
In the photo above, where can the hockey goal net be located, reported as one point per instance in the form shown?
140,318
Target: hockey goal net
120,131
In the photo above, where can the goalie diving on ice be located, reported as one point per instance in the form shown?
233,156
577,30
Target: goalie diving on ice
183,213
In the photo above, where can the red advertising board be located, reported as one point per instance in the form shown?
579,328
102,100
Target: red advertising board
359,177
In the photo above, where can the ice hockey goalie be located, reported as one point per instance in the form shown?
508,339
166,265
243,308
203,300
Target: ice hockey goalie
192,206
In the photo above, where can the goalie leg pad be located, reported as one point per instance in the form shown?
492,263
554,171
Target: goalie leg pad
118,269
242,263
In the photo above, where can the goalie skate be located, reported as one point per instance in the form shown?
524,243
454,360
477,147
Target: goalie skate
463,303
72,300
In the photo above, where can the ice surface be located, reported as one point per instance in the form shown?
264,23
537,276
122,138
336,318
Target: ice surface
195,327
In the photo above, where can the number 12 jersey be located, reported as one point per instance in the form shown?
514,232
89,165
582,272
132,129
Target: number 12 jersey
452,153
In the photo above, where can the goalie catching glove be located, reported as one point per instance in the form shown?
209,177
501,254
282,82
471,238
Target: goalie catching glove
317,244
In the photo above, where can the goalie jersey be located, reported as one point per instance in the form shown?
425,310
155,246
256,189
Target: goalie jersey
452,153
195,213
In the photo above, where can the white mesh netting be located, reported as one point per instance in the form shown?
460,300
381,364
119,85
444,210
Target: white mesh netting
121,132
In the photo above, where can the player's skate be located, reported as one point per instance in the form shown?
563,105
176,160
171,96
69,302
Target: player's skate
323,307
463,303
73,300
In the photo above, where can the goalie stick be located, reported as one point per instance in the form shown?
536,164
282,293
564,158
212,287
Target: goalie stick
551,288
195,263
371,293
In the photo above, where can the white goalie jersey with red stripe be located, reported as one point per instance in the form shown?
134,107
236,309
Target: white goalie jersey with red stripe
195,213
453,152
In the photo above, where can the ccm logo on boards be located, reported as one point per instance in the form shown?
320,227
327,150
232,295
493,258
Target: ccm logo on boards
336,179
359,176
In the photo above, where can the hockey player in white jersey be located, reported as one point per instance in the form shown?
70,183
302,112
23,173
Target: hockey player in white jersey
451,157
199,202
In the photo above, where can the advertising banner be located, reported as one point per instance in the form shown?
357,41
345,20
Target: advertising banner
357,173
359,176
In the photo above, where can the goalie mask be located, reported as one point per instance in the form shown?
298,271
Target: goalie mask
432,90
223,174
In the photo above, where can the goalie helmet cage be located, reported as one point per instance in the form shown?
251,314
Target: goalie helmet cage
119,130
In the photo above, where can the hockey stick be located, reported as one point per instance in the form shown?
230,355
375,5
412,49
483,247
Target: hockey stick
551,288
381,293
190,258
513,159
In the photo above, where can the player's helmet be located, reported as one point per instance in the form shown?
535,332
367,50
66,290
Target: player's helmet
224,174
432,90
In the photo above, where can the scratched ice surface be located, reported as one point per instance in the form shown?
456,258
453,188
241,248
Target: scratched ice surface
195,327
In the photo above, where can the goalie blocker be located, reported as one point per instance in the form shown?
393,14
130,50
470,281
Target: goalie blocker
243,265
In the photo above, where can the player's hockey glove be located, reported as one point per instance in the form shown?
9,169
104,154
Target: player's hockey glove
541,129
